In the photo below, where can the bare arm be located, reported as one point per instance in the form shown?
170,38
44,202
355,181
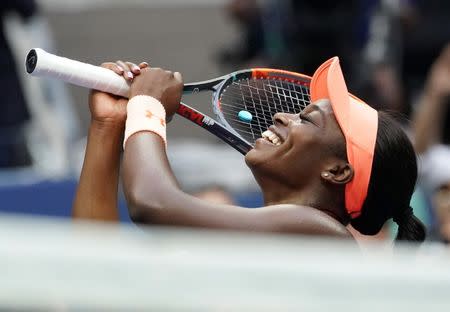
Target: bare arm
429,117
153,195
96,196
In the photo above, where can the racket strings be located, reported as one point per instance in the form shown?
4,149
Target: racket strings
273,97
274,104
262,98
234,108
277,95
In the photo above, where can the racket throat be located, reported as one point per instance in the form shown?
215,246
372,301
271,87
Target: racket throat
191,114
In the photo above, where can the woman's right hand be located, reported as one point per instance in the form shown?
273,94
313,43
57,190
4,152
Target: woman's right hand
107,109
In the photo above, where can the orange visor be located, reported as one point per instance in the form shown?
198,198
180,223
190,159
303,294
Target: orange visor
359,123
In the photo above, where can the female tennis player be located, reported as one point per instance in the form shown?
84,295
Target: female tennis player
339,162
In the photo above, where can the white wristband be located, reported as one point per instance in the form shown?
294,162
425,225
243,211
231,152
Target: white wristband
145,113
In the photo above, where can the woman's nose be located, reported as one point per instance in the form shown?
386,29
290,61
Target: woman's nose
281,119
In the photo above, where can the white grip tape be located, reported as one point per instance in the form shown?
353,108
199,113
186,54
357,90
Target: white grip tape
79,73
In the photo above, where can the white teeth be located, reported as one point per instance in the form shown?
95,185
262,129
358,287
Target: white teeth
271,137
267,133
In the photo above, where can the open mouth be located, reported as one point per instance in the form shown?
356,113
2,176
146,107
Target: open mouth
272,137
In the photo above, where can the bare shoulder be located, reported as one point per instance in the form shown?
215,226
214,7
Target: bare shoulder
306,220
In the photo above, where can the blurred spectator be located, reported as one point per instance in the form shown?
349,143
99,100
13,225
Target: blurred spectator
321,29
247,13
435,176
54,124
426,31
14,111
378,78
433,106
404,37
434,160
425,36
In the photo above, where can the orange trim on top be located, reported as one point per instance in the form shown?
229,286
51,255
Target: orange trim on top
264,72
258,73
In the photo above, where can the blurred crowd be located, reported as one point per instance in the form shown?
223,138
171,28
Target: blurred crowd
395,53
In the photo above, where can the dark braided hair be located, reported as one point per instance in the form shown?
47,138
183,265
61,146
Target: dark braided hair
394,175
409,227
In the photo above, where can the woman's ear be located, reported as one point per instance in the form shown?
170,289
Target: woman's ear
340,173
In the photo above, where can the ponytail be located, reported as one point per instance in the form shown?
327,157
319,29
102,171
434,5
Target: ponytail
392,182
410,228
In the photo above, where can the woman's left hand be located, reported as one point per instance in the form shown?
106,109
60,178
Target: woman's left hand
108,109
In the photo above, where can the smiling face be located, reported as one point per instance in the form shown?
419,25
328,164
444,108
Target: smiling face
297,149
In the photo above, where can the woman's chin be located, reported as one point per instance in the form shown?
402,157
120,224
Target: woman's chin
256,157
251,157
261,153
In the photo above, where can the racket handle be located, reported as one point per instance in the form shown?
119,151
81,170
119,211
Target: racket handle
43,64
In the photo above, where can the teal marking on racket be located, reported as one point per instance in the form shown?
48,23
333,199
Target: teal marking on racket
245,116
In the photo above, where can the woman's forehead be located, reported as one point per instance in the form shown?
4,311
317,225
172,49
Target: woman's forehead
326,109
324,105
332,134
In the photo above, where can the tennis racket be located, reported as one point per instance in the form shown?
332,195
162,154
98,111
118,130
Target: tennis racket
244,101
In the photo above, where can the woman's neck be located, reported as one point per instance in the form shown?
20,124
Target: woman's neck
330,202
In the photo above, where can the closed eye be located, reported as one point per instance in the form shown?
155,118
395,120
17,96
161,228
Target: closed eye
305,118
305,115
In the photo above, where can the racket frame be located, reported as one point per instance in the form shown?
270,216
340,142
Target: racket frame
218,85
